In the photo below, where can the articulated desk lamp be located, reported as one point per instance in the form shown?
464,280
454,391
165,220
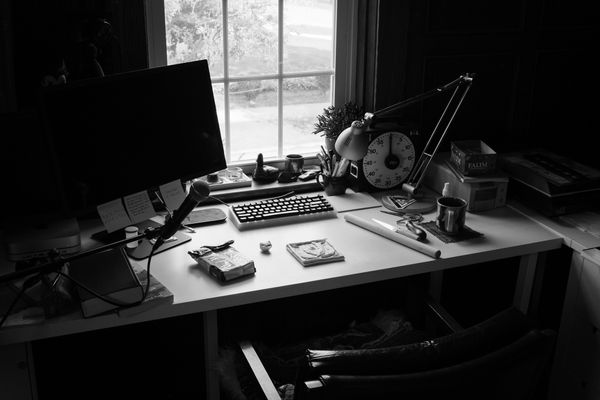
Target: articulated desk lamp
353,142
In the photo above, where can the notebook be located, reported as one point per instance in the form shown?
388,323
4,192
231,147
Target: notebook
157,293
110,274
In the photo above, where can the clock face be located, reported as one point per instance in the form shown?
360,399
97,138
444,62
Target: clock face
389,160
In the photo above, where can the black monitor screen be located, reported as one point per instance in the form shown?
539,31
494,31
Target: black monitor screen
120,134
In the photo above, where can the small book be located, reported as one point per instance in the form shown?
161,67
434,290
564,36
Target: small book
158,293
223,264
108,273
314,252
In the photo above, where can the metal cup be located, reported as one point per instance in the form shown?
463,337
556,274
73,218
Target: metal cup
451,213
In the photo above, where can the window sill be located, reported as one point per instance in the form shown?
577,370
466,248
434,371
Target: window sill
264,190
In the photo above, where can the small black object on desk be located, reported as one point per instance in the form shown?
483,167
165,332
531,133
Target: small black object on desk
287,177
264,173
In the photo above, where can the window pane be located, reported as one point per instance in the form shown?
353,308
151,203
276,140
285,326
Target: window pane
252,37
194,31
308,35
303,100
219,95
253,119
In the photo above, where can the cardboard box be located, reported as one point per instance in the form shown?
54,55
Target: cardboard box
473,157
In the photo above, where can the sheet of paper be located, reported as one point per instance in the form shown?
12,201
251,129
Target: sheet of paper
113,215
139,207
172,194
351,201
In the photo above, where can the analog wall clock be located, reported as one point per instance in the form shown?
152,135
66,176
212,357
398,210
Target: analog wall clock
389,160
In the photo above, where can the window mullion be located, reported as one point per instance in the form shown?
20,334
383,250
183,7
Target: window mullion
226,80
280,80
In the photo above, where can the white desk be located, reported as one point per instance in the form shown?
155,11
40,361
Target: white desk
369,258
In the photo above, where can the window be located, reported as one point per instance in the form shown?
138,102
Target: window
275,64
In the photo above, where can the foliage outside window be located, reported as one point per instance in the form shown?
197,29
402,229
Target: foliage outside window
271,63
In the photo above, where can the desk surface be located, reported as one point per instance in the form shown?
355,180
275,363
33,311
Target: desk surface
572,236
369,258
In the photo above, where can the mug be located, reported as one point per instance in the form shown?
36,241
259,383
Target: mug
333,185
451,214
294,163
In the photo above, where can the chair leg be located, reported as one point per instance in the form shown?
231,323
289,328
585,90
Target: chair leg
259,371
443,316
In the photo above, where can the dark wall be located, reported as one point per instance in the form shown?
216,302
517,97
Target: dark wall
71,31
536,71
47,39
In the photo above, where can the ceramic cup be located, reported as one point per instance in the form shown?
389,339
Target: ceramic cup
451,213
332,185
294,163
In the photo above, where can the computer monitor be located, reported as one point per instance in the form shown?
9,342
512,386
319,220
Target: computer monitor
124,133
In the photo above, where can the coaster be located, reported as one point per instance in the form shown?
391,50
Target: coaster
314,252
467,233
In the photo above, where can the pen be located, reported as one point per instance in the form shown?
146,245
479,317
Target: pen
323,150
324,162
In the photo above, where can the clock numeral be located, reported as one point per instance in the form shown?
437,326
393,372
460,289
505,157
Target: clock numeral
379,141
372,151
408,146
368,163
372,173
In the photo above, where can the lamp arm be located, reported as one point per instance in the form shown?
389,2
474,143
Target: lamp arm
418,173
395,107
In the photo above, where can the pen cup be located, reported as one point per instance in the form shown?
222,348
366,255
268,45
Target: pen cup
333,185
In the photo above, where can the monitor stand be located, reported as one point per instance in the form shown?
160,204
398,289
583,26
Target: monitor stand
144,246
107,238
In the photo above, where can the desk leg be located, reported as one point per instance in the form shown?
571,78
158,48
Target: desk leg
17,377
525,282
436,280
211,354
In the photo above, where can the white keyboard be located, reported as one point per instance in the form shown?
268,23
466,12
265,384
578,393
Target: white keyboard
281,211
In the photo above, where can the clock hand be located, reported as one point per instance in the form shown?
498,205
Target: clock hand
391,160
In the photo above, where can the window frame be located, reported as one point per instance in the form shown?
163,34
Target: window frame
344,60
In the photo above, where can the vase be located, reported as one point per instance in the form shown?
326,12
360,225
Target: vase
330,143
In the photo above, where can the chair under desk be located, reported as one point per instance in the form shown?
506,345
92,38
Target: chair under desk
368,258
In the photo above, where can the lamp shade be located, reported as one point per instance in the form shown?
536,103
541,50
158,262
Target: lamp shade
352,143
